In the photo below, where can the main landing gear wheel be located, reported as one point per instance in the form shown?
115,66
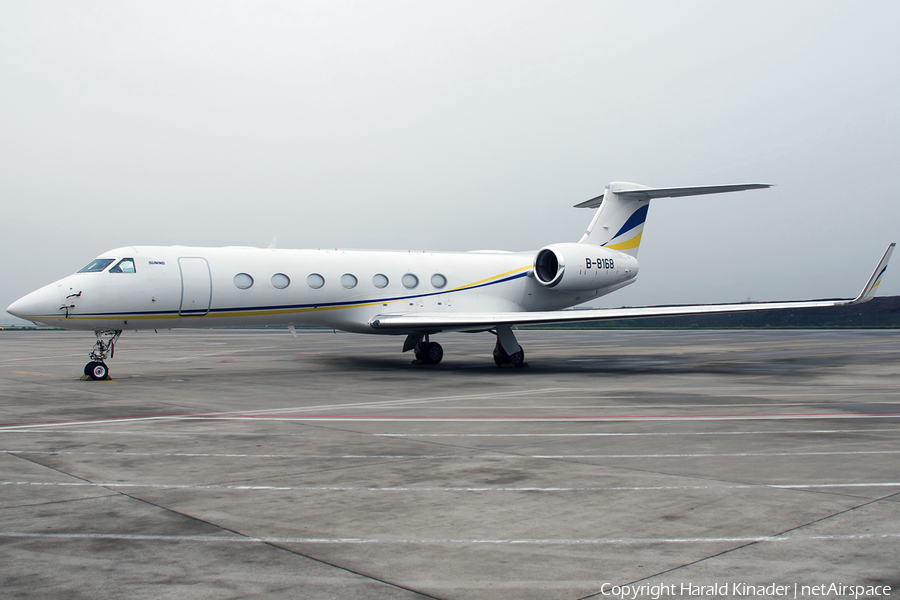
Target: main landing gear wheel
430,353
427,352
433,353
96,370
502,359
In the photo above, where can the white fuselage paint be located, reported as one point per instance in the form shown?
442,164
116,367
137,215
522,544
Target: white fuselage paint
172,287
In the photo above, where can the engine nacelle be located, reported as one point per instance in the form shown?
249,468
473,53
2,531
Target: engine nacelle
582,267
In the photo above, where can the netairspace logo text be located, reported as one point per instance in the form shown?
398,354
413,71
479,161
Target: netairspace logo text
739,589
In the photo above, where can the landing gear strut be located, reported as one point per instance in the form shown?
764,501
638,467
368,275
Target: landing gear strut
103,347
427,352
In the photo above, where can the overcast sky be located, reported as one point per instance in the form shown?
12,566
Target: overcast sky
456,126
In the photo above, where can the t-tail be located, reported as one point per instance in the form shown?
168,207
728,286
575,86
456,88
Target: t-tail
619,224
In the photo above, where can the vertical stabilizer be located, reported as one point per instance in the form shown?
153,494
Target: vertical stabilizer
619,223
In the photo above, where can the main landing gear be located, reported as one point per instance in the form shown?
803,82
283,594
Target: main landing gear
103,347
507,351
427,352
504,359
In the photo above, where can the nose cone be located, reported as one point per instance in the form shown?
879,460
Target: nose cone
38,305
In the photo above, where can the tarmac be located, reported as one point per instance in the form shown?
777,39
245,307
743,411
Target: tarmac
249,464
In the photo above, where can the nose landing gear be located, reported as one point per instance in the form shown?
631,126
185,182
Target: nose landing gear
103,347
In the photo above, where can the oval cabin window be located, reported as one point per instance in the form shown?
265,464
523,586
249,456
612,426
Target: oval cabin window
315,281
243,281
380,281
410,281
438,280
280,280
348,281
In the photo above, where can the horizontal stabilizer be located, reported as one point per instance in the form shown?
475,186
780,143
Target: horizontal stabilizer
592,203
675,192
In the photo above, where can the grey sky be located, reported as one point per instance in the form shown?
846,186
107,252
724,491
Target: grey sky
456,126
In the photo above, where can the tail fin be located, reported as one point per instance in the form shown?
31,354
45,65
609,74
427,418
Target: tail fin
619,223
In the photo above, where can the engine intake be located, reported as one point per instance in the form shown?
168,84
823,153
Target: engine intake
549,266
582,267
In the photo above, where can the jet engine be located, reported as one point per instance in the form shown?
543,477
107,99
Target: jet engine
582,267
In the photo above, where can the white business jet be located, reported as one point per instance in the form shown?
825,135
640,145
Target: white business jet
415,294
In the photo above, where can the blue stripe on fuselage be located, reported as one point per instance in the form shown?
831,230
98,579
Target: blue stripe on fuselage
345,304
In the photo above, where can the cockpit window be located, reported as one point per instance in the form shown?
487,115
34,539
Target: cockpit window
97,265
126,265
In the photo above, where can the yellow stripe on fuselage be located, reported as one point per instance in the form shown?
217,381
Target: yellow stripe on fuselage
464,287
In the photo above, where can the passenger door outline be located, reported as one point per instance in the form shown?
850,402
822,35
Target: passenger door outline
196,286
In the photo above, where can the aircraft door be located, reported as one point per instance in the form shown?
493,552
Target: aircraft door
196,286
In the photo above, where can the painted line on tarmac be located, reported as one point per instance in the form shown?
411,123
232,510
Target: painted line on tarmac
233,455
101,421
23,429
465,419
31,358
446,456
458,419
152,417
543,419
227,539
401,402
337,488
633,433
516,393
655,406
213,432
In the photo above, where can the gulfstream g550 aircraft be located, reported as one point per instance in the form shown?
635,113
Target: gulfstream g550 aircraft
414,294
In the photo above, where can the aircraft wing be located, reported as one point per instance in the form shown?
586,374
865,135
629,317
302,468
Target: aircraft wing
434,322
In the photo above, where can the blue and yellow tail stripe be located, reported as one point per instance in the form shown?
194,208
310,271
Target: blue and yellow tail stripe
877,282
635,221
255,311
627,244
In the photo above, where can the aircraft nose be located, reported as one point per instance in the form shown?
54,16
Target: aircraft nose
39,303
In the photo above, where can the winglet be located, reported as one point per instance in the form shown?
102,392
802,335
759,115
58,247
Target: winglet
867,292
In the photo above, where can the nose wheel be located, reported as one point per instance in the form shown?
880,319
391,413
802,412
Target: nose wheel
104,347
96,370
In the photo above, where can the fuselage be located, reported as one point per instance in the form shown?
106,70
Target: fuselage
180,286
